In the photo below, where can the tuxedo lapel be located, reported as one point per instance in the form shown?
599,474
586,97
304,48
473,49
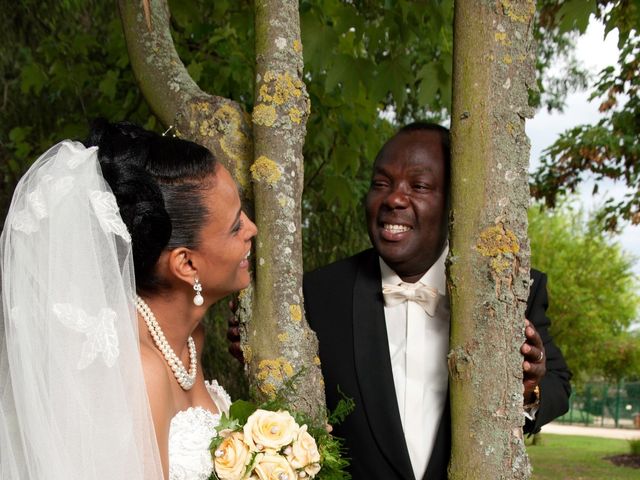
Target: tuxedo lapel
373,367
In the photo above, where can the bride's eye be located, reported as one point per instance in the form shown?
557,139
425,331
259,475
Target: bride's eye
237,227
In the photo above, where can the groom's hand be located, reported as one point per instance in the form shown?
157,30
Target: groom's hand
233,332
534,363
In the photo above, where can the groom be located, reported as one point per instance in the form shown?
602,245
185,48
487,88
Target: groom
390,354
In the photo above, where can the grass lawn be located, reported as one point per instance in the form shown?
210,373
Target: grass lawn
567,457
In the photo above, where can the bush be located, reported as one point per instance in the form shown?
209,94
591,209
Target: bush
634,445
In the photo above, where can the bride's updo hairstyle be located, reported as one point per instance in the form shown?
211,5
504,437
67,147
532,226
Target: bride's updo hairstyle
158,182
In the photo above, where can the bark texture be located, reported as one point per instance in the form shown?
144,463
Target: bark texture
489,258
282,349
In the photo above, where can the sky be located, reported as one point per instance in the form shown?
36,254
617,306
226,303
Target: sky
594,52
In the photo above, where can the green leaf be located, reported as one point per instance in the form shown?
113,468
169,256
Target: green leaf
337,189
575,14
429,83
195,70
319,41
343,157
241,410
340,72
32,78
109,84
19,134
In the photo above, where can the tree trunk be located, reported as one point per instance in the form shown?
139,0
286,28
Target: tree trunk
489,259
280,345
218,123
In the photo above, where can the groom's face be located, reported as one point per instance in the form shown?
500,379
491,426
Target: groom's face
406,203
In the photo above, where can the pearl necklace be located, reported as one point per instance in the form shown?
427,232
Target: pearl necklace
186,380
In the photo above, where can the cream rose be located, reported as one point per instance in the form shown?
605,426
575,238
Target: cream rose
304,452
274,467
231,457
270,430
312,469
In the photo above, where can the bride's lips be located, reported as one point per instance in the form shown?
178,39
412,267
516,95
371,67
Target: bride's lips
245,261
394,232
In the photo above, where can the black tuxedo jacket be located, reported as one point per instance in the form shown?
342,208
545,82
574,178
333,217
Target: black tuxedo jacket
344,306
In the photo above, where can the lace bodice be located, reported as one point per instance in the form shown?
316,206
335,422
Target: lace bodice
190,434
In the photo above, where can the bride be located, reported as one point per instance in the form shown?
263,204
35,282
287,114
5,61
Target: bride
111,254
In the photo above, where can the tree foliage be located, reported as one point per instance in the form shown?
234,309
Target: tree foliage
593,293
66,62
609,149
62,64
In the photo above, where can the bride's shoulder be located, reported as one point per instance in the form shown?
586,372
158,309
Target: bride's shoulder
154,368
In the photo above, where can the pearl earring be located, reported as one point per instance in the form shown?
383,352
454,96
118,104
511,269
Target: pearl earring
198,300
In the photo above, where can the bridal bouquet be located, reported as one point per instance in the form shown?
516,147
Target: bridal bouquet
271,444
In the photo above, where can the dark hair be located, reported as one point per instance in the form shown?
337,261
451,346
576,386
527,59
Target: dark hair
158,182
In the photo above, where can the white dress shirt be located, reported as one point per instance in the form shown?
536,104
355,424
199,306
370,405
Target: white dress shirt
418,345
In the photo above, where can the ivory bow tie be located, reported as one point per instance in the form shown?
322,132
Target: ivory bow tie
427,297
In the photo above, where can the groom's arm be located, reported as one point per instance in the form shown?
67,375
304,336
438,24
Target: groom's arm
554,386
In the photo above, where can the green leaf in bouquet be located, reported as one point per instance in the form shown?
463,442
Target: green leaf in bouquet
227,423
240,410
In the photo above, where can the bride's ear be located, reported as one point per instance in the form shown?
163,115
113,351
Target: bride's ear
181,266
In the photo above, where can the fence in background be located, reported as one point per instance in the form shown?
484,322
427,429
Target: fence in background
605,405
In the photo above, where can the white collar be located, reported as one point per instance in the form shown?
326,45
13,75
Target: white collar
436,276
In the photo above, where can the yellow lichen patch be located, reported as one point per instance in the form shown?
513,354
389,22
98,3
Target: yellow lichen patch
296,313
265,170
272,372
297,46
202,107
316,360
247,353
279,88
269,389
206,129
501,37
499,265
519,13
282,200
507,59
283,337
269,369
496,240
243,293
264,115
233,141
295,115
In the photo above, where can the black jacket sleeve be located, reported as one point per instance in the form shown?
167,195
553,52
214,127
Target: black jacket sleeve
554,387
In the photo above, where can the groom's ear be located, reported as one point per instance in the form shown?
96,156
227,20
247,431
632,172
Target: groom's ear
180,265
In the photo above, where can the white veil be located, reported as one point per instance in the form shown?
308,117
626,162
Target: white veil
73,403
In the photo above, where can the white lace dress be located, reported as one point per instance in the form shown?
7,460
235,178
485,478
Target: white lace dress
190,434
